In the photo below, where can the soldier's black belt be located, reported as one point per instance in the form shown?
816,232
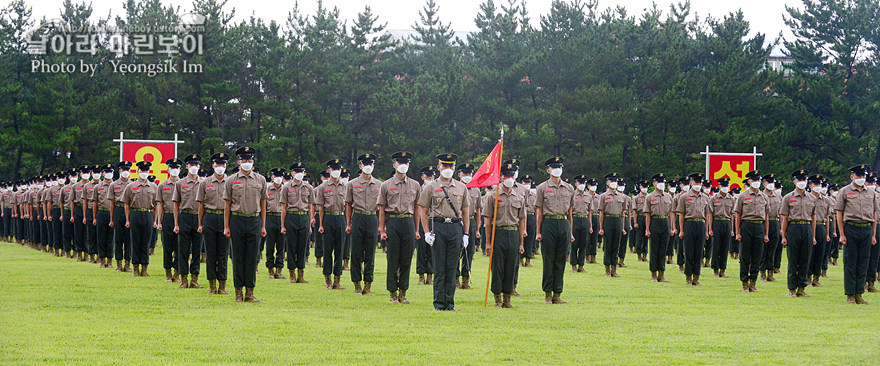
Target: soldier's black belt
755,221
447,220
364,213
507,228
581,216
719,218
695,219
858,224
216,212
398,216
142,209
273,214
245,215
555,217
333,213
297,212
799,222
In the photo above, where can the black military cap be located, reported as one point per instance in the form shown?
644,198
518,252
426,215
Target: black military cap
73,171
707,183
106,168
325,174
334,164
124,165
151,178
447,159
220,158
592,182
144,165
402,157
298,167
204,172
860,169
714,190
800,174
769,178
174,163
871,178
745,182
554,162
41,179
245,153
97,168
514,162
526,178
724,182
621,182
736,190
508,169
344,173
427,171
468,168
567,180
696,177
754,175
85,169
193,159
367,158
659,178
833,187
644,183
306,177
50,176
581,178
278,172
612,176
287,176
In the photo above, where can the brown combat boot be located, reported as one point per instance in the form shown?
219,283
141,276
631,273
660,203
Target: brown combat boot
548,297
770,277
465,283
168,275
222,289
614,272
175,277
506,303
824,273
202,259
271,273
688,280
870,287
327,283
816,281
394,297
860,301
402,297
345,265
581,268
653,276
137,270
292,276
801,292
421,279
745,286
184,283
144,272
668,259
212,287
194,282
249,295
850,299
763,275
357,288
574,268
429,279
299,276
497,300
366,291
621,264
457,282
119,266
696,281
126,268
239,296
556,300
336,285
715,272
514,293
661,277
793,293
722,275
529,262
607,271
318,262
752,287
278,275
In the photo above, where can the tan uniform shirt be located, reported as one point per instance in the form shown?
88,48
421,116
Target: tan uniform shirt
433,198
165,194
475,202
554,199
511,208
824,208
363,194
774,205
639,201
7,199
245,192
693,205
116,189
581,205
594,202
399,196
721,205
140,195
58,196
185,191
67,195
273,198
210,193
530,201
90,192
331,195
297,196
799,206
658,204
613,202
752,206
103,192
858,205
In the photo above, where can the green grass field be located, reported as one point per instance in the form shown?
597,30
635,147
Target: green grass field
57,311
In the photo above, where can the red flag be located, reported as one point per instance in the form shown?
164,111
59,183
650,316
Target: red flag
490,172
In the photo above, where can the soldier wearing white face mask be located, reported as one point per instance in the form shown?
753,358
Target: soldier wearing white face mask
424,259
362,223
721,209
752,224
581,225
768,265
641,241
274,236
165,219
138,198
857,209
121,234
465,173
531,222
628,218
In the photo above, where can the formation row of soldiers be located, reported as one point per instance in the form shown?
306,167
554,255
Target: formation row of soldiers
85,212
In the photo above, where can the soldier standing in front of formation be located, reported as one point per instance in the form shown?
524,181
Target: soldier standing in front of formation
507,243
186,225
798,221
752,210
211,224
553,210
244,222
138,198
397,205
693,210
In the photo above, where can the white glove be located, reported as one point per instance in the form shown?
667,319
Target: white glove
429,238
464,240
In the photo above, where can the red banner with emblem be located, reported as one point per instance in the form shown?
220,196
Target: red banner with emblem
734,167
154,152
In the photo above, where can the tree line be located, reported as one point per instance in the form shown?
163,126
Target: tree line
605,89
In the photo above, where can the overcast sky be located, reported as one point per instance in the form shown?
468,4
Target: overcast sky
765,16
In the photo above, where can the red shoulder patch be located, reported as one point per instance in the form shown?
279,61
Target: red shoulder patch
134,188
100,189
717,201
118,187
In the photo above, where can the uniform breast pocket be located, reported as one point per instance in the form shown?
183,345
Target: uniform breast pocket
515,207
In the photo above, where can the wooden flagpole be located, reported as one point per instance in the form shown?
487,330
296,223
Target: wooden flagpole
494,217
